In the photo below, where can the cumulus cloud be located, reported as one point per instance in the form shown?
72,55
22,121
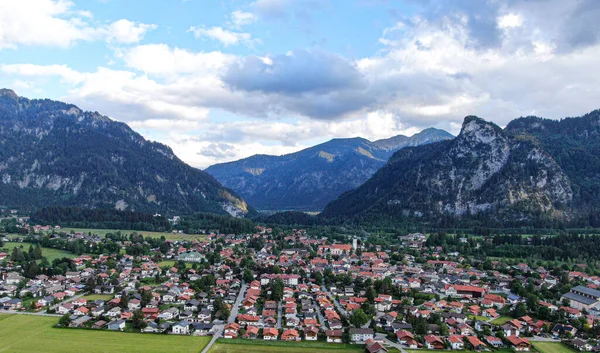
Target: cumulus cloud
498,60
224,36
58,23
241,18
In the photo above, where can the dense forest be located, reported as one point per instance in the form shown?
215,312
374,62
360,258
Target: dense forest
77,217
203,222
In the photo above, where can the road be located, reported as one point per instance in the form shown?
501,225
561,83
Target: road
321,319
542,339
53,307
395,345
234,312
335,302
279,314
28,313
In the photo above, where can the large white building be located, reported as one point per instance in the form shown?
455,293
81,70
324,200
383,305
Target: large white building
582,297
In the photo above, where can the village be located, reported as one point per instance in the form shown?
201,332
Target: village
291,286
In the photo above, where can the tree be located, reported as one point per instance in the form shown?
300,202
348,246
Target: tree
64,321
359,318
137,322
277,289
371,294
37,252
248,276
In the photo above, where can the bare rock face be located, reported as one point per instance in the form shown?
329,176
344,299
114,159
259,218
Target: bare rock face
484,171
53,153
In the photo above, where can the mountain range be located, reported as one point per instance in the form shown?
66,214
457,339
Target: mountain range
309,179
53,153
534,169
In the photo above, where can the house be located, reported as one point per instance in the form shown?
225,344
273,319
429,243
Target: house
433,342
560,330
290,335
581,345
270,334
375,347
334,336
99,324
407,339
202,329
231,330
494,341
251,333
476,343
361,335
181,328
456,342
116,325
519,344
311,333
581,297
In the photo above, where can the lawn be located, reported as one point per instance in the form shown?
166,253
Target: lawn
49,253
167,235
260,346
27,333
551,347
172,263
501,320
479,318
501,350
93,297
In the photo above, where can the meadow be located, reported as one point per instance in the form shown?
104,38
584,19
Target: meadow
551,347
167,235
259,346
49,253
28,333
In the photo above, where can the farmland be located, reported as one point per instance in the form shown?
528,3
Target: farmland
49,253
25,333
239,346
551,347
167,235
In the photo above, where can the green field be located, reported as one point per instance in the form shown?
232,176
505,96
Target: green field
501,320
551,347
49,253
93,297
25,333
260,346
167,235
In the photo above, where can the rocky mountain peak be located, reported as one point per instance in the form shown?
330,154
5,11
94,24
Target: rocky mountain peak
5,92
477,130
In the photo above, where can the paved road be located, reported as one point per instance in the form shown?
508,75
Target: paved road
335,302
234,312
236,305
28,313
542,339
53,307
279,313
395,345
321,319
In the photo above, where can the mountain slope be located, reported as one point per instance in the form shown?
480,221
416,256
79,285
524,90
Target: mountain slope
483,171
52,153
307,180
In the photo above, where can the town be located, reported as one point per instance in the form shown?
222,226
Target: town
291,286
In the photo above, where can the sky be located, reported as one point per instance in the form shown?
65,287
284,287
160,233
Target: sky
220,80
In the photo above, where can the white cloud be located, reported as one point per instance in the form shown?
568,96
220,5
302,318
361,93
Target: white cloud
241,18
510,20
127,32
57,23
226,37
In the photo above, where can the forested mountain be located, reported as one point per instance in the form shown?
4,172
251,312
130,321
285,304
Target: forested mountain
533,170
307,180
53,153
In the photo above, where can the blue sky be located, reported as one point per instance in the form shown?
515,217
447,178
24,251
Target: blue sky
222,80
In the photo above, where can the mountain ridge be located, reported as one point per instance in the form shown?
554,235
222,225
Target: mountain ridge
534,169
54,153
308,179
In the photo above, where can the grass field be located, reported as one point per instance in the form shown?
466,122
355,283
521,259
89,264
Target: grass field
172,263
25,333
551,347
93,297
480,318
501,350
501,320
49,253
167,235
259,346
